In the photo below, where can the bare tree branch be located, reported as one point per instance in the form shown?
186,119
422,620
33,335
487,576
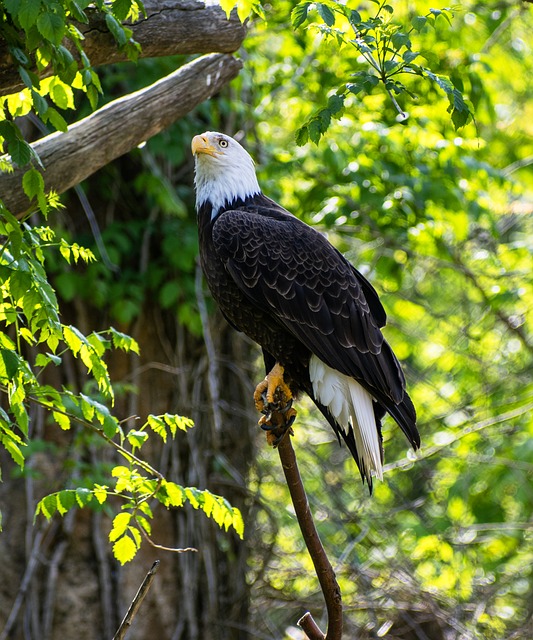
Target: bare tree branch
278,426
183,27
323,568
120,126
136,602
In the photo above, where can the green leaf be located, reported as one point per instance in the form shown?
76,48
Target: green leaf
12,6
354,17
9,365
59,95
121,8
28,12
400,40
192,494
47,506
62,420
123,341
12,443
299,14
51,26
124,479
335,104
137,438
325,13
171,494
39,103
409,56
83,496
73,338
302,136
33,183
315,130
116,29
77,12
144,523
56,119
419,22
120,525
124,549
20,152
100,493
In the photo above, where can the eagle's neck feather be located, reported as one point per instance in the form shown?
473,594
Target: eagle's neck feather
223,188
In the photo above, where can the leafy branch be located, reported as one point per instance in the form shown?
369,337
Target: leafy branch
387,51
29,305
134,488
41,35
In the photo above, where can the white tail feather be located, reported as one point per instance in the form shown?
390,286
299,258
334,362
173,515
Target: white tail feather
351,406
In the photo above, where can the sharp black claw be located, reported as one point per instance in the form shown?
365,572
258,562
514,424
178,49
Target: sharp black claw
286,407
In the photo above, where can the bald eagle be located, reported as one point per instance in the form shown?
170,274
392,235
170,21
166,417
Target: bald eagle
316,318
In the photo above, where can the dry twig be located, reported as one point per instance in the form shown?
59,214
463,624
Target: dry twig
136,602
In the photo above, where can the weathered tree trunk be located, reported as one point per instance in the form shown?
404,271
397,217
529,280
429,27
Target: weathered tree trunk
120,126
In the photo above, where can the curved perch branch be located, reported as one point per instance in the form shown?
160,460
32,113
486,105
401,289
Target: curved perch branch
279,433
323,568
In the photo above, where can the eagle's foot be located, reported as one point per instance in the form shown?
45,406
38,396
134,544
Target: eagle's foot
273,394
280,424
273,399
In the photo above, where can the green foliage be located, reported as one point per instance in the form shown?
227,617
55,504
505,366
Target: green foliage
440,224
383,49
32,335
29,306
245,8
135,489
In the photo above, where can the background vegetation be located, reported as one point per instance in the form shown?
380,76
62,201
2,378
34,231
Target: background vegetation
435,208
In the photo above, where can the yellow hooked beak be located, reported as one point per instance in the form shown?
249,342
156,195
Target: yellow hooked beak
201,144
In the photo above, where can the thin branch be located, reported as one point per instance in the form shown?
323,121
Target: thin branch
162,547
136,602
130,457
323,568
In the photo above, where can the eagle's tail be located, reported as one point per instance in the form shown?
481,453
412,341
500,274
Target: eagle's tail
350,411
356,416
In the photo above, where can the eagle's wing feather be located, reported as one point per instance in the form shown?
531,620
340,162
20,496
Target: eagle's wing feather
292,272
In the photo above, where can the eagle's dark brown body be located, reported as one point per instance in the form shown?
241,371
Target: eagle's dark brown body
283,284
256,321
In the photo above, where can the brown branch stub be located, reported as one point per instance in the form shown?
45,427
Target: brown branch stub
136,602
310,627
170,28
120,126
280,432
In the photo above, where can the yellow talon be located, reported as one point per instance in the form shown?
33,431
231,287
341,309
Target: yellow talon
273,398
277,391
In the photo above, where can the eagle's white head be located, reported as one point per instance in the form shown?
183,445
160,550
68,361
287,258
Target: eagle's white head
224,171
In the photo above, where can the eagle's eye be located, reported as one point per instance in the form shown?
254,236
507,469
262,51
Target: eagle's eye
223,143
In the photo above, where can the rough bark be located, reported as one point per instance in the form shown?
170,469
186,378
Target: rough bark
170,28
120,126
